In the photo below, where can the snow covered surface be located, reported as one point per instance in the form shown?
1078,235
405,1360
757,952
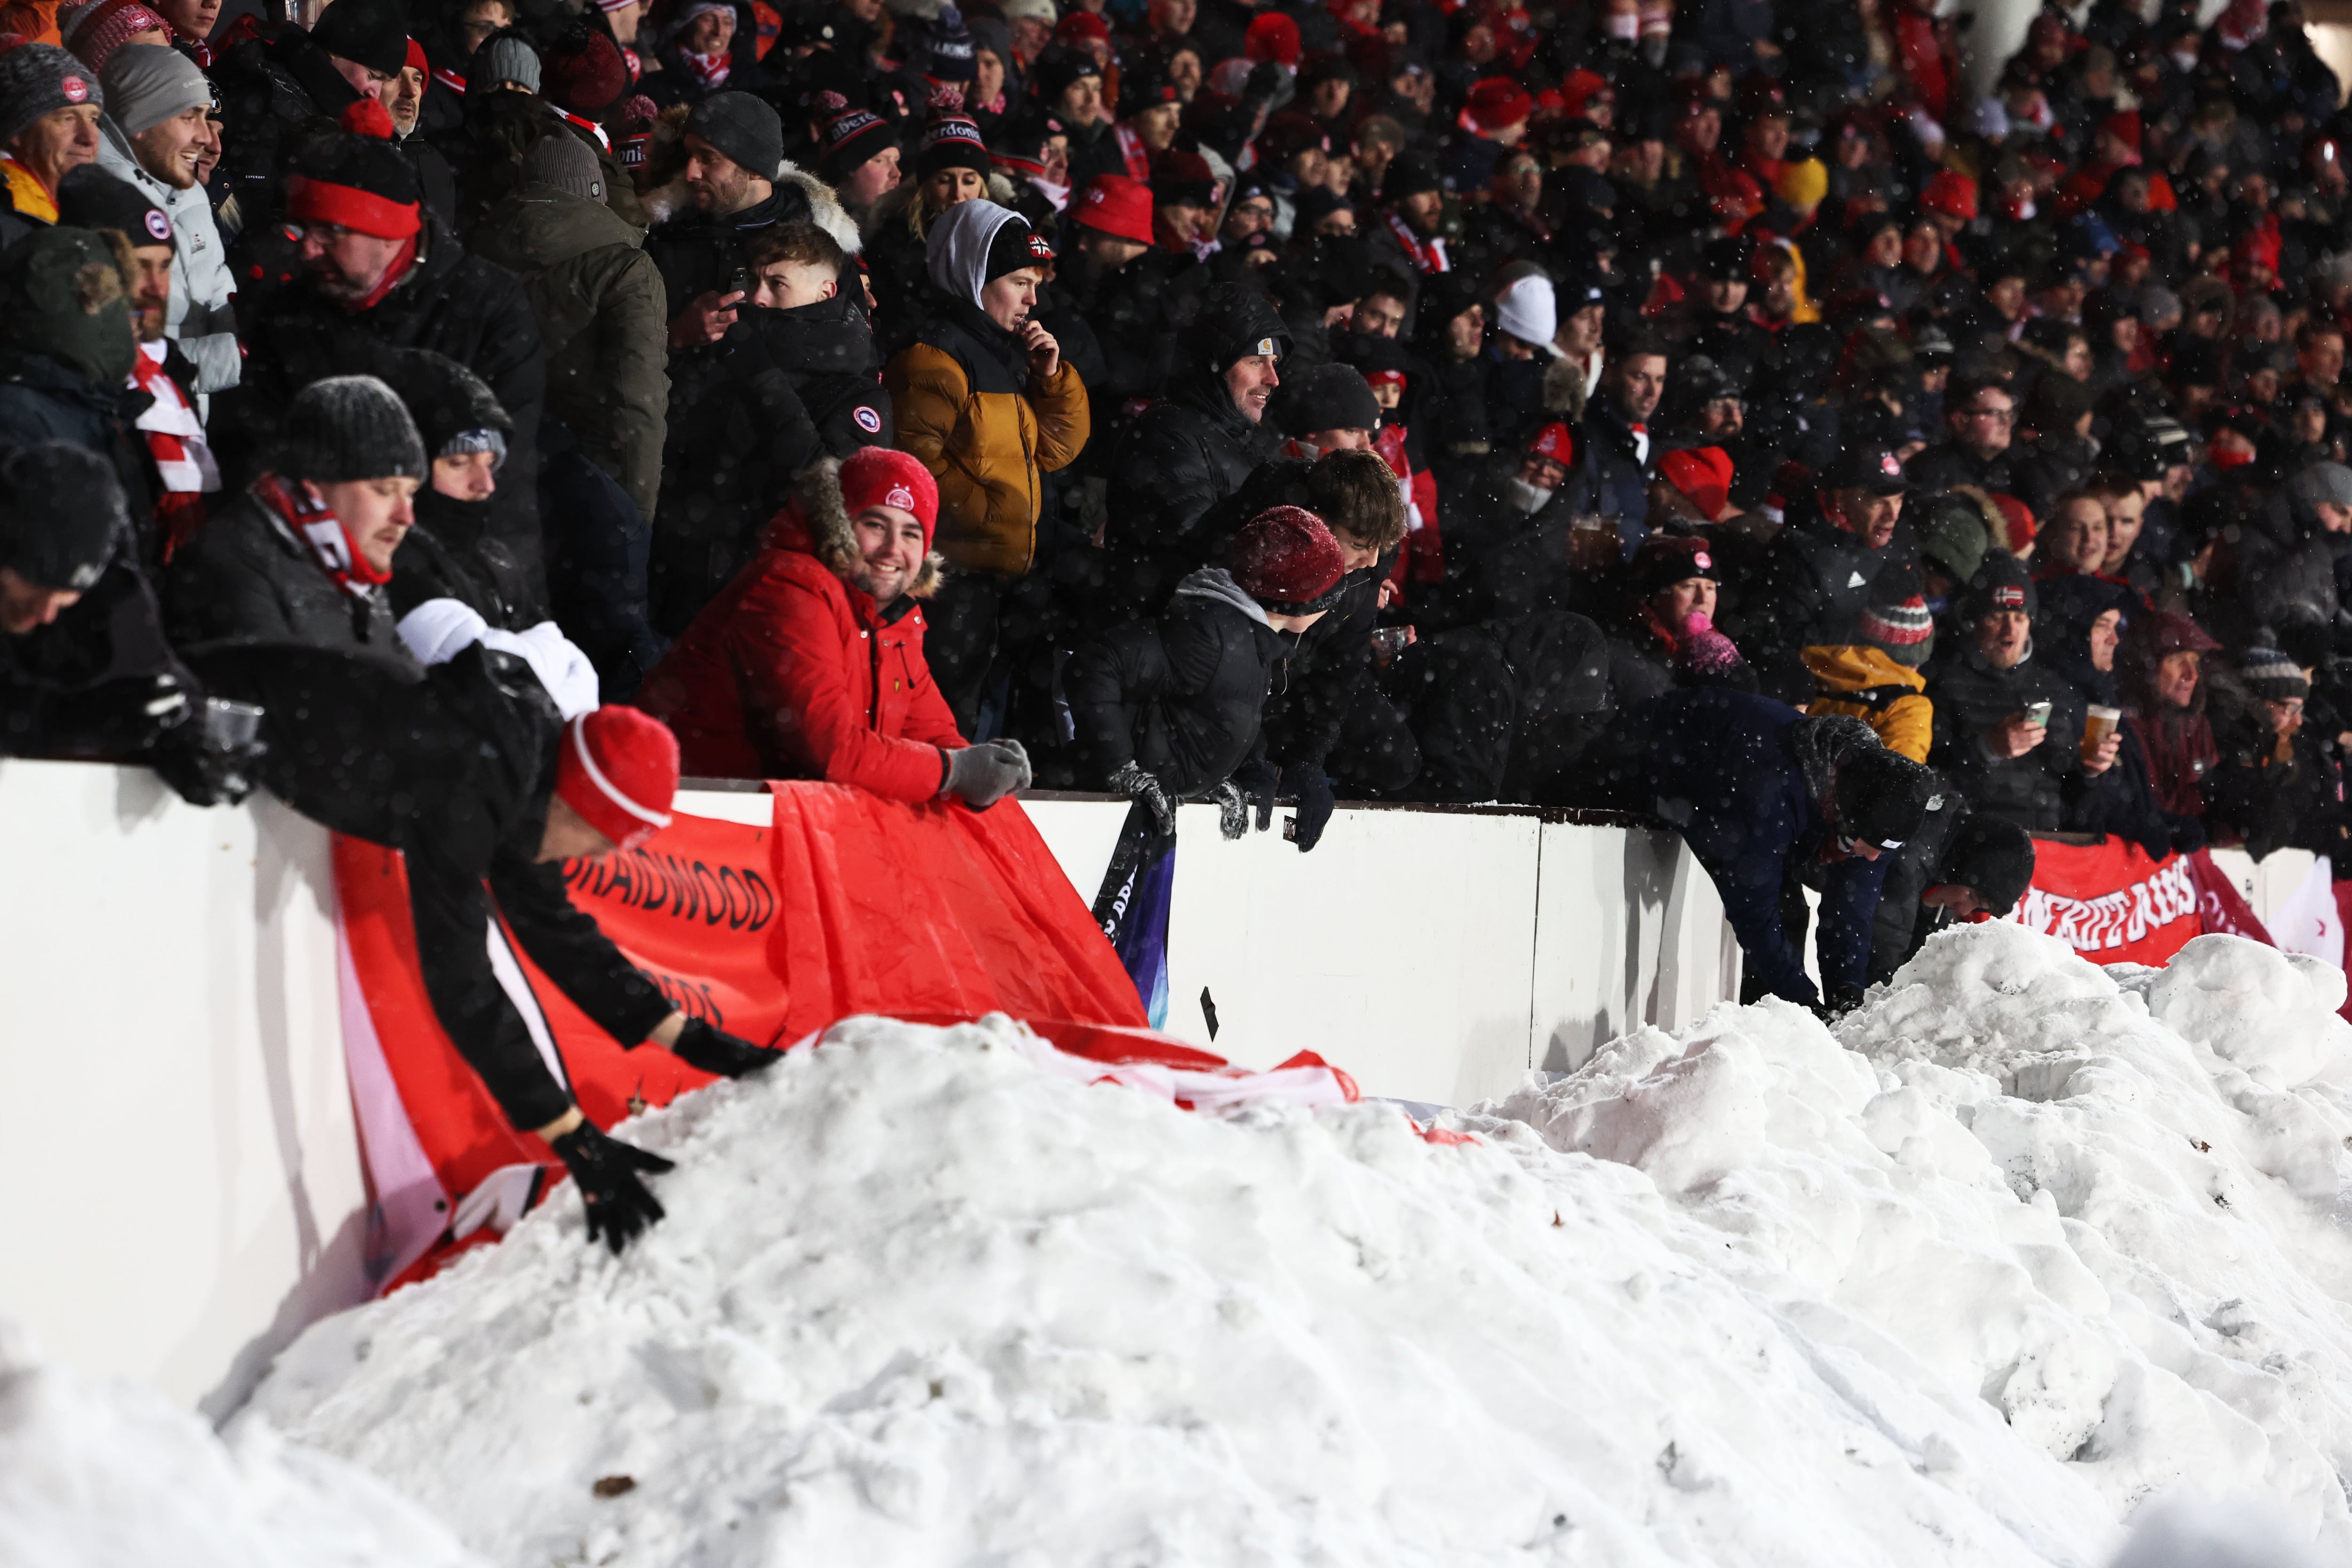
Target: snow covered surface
111,1475
2025,1243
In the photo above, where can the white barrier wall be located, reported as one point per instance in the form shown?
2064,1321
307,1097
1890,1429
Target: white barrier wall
176,1145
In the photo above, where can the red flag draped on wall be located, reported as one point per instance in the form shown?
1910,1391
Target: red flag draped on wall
844,904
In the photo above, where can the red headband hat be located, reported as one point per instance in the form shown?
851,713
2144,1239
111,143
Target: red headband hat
618,769
882,476
359,180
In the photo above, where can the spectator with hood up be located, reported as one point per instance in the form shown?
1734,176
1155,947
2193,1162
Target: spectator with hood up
1191,449
811,664
985,400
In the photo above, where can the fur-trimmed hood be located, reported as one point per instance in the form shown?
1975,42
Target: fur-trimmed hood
667,200
817,521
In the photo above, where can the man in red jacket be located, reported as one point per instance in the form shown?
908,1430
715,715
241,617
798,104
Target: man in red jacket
809,665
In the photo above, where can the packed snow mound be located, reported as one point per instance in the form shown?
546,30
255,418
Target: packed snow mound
2105,1201
105,1474
1950,1288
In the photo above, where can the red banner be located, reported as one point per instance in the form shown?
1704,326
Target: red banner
844,904
2110,903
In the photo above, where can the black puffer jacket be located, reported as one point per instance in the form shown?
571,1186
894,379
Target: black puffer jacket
453,768
1189,451
453,303
1815,582
2286,570
245,578
1182,695
1970,698
73,687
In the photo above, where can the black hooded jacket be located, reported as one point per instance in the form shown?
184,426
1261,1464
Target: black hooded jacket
455,770
1182,694
1189,451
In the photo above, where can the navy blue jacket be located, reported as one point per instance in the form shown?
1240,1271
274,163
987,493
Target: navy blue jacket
1722,770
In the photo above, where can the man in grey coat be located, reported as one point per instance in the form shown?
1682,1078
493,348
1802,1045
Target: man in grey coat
156,126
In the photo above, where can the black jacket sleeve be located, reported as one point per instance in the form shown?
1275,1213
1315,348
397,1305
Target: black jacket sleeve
566,943
452,910
1109,681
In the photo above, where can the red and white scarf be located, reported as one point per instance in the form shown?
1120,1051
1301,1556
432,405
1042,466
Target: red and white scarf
175,439
330,543
709,71
1428,254
1132,151
590,126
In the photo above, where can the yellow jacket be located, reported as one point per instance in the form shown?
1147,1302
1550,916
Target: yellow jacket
960,409
1862,680
31,197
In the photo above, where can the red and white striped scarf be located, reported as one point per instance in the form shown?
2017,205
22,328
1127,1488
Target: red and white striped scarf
313,525
175,439
1428,254
1132,151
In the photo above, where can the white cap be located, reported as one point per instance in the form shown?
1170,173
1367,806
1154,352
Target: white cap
1528,311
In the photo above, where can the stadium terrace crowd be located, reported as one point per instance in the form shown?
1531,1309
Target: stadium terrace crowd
1713,410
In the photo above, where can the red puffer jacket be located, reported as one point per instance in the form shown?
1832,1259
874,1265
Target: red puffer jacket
791,673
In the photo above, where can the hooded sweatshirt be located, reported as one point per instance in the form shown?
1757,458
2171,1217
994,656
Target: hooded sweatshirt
966,404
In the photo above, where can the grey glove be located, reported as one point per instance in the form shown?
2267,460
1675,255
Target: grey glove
1233,810
983,775
1145,790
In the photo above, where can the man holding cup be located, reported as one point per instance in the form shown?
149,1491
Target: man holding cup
2008,731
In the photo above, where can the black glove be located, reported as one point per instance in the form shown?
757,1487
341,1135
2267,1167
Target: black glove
1258,780
1313,789
206,774
2187,833
606,1169
1842,999
981,774
715,1050
1146,790
127,717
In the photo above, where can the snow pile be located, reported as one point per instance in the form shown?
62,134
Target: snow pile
1959,1291
102,1475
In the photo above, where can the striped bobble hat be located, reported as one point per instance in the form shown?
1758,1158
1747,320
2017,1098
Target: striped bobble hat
2272,674
1902,627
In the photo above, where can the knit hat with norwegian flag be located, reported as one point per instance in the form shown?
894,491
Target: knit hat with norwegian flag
617,768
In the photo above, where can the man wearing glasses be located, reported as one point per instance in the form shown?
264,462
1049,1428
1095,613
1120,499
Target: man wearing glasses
1980,417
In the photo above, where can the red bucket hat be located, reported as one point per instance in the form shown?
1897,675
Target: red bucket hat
1116,203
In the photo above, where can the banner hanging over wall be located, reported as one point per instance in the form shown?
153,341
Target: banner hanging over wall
844,904
2113,904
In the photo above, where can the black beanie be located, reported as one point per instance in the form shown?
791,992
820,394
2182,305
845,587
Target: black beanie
371,32
60,513
1327,397
348,427
1235,322
2001,582
741,126
1994,857
89,197
1882,796
1013,246
952,141
446,399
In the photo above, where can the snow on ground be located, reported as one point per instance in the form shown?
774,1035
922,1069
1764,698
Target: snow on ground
106,1475
2023,1243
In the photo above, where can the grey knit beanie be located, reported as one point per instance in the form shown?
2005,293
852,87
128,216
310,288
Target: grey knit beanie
40,78
348,427
2324,482
146,84
564,162
506,58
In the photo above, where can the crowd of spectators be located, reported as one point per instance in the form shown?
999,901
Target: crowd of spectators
1202,400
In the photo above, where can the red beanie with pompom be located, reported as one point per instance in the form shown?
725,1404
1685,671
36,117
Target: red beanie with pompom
1287,560
618,769
882,476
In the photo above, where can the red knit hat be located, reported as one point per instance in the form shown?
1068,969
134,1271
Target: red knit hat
1497,103
1554,441
1702,473
1082,27
618,769
1116,203
1272,37
416,60
1951,193
1287,560
359,180
882,476
585,80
